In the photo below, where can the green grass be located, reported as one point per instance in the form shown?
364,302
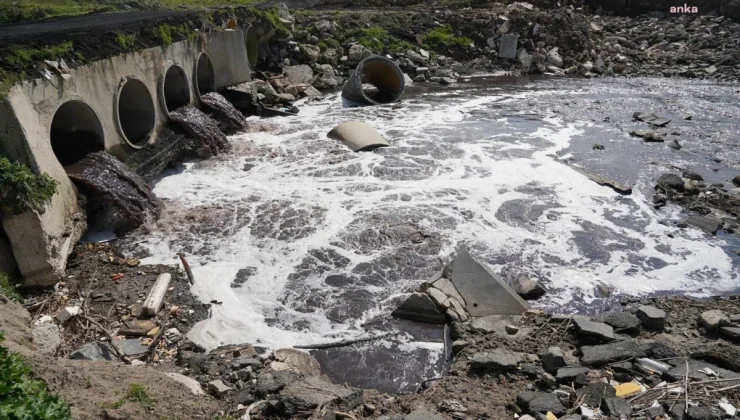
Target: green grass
136,393
14,11
441,38
377,39
22,190
25,398
23,57
271,16
8,288
126,41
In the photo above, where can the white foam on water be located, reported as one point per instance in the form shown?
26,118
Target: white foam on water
489,160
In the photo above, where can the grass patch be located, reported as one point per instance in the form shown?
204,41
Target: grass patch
167,33
8,288
377,38
271,16
442,37
126,42
22,397
136,393
22,190
21,58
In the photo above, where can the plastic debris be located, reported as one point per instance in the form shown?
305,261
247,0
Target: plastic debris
709,372
728,408
587,412
628,389
550,416
654,366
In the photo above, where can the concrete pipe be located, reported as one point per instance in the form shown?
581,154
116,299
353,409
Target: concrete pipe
135,114
358,136
75,132
175,89
380,72
205,76
253,46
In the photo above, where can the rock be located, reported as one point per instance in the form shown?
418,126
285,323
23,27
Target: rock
311,52
618,407
47,338
508,46
671,182
648,135
622,322
712,320
93,351
324,26
656,411
67,313
736,181
553,57
298,361
597,330
172,335
553,359
615,351
422,413
568,374
692,176
651,318
189,383
306,394
540,402
137,328
408,81
131,346
500,325
708,224
459,345
452,406
300,74
592,394
420,307
732,333
528,288
416,57
355,52
271,382
525,59
496,360
447,81
420,79
284,98
504,28
217,388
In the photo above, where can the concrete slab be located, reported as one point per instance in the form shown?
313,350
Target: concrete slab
508,46
484,292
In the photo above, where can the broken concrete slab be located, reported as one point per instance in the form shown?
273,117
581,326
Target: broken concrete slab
568,374
308,393
712,320
651,318
500,325
601,180
528,288
496,360
695,370
615,351
708,224
596,330
540,402
298,361
483,291
553,359
131,346
649,136
592,394
622,322
420,307
137,328
358,136
190,383
508,46
217,388
93,351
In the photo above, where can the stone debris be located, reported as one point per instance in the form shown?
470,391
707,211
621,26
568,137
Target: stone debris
597,330
67,313
528,288
651,318
712,320
497,360
93,351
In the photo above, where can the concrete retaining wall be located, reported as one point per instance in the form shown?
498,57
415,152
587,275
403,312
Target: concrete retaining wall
96,107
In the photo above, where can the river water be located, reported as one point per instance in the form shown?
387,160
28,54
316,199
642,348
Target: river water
301,241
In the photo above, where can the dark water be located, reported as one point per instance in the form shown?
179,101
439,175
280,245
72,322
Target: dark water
230,119
113,188
209,140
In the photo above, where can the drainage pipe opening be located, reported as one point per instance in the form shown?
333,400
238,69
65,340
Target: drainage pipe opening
75,132
379,72
135,112
252,46
204,75
176,90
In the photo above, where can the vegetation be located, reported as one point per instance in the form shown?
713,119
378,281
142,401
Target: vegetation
22,190
126,41
271,16
21,58
136,393
167,33
25,398
377,38
441,38
27,10
8,288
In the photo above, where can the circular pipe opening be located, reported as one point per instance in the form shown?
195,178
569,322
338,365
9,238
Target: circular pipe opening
175,89
205,77
252,42
135,112
75,132
379,72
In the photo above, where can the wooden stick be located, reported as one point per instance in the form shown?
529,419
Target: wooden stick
153,344
343,343
185,264
155,298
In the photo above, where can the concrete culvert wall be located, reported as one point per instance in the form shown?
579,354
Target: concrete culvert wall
380,72
253,47
204,75
135,112
176,90
75,132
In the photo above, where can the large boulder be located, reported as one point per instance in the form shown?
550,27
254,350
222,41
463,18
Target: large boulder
307,394
311,52
299,74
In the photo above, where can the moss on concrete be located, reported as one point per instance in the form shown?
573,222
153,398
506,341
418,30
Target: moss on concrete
22,190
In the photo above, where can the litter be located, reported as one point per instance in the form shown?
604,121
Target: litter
654,366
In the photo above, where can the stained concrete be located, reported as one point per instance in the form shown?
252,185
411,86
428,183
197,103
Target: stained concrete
42,242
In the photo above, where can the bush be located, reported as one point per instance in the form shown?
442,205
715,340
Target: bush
442,38
8,288
281,30
22,190
25,398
